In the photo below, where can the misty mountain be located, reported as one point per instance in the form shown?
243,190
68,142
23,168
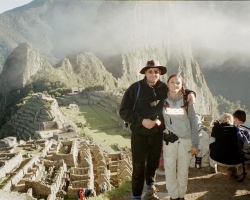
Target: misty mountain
234,85
230,78
121,36
25,65
56,28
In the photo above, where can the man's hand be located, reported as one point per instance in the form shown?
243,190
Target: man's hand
191,98
148,123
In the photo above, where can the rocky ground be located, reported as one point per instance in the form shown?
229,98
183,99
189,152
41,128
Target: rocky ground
204,185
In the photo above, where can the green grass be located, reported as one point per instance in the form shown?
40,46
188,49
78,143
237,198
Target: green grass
97,117
5,181
92,117
122,191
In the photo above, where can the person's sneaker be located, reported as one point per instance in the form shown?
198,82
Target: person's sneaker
233,172
198,162
151,194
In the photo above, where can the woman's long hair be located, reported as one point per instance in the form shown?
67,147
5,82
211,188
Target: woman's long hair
179,76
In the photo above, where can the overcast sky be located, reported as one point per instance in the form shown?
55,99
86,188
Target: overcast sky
6,5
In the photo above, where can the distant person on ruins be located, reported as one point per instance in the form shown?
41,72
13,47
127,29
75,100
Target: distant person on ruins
141,107
82,193
224,145
181,138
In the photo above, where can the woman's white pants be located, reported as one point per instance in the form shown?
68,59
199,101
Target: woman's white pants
177,158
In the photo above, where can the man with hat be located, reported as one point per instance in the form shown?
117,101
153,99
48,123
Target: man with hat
144,114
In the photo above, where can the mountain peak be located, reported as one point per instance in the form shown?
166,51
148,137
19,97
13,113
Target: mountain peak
21,64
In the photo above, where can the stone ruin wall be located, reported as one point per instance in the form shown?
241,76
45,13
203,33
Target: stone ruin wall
43,190
106,168
52,151
70,159
34,184
108,101
33,116
50,125
39,188
7,150
46,148
83,175
58,163
10,164
79,177
20,174
84,157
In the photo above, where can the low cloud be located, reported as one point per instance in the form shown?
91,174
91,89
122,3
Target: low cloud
216,29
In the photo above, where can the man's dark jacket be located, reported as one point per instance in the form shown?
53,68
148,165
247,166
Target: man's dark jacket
144,110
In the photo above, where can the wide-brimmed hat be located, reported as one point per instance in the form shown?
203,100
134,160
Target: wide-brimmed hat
154,64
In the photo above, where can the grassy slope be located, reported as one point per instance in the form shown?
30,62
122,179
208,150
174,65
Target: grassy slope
96,117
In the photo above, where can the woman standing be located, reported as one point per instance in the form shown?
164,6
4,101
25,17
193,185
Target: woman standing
181,137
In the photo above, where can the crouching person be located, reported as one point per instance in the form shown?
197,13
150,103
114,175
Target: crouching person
224,146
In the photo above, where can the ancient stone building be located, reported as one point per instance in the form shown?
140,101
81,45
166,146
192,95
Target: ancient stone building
8,142
55,168
9,161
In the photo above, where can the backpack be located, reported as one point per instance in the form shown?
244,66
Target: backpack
243,137
137,95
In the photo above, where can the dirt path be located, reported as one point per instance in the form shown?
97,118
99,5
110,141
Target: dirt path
203,185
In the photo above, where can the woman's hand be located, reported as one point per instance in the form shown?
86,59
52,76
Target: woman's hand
194,151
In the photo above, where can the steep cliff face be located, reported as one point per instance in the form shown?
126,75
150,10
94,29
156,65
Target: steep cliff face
190,70
152,30
21,64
